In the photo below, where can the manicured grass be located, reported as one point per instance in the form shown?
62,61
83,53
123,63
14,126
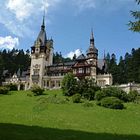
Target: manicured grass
25,118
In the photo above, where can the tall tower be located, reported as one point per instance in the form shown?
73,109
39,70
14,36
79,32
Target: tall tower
92,56
41,57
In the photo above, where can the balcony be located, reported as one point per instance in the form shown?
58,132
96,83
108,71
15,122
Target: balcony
81,74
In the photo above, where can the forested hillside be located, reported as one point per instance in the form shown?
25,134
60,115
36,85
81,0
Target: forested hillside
12,61
126,70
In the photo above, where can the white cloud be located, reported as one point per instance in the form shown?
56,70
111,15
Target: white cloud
84,4
9,42
102,4
71,54
21,8
20,16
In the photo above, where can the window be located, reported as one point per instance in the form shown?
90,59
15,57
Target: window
102,83
47,83
81,70
88,70
36,71
44,83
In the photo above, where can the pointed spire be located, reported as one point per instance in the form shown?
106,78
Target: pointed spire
91,39
43,23
91,34
92,49
104,55
42,37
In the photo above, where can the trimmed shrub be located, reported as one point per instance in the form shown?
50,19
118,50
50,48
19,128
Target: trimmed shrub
111,92
99,95
111,102
37,90
76,98
53,99
4,90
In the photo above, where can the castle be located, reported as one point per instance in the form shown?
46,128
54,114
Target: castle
49,75
46,74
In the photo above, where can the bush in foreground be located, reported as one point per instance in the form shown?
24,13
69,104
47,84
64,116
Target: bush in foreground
4,90
76,98
111,102
12,87
133,95
112,92
37,90
69,84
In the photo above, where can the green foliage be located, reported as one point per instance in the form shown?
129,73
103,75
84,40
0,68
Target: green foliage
132,96
128,68
4,90
12,60
88,104
30,94
135,25
37,90
58,58
76,98
111,102
87,88
111,92
69,84
137,100
66,121
56,100
12,87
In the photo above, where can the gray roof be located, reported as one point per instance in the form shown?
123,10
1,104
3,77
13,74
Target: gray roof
42,35
63,64
92,49
81,57
100,63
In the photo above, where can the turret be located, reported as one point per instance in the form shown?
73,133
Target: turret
41,56
92,56
92,52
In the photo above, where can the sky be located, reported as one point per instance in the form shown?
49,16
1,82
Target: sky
69,23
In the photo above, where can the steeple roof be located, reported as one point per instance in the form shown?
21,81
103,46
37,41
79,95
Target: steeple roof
42,37
92,48
91,37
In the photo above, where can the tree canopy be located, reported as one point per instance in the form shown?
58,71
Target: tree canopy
127,69
13,60
135,25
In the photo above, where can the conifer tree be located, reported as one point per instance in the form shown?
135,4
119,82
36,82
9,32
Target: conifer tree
135,25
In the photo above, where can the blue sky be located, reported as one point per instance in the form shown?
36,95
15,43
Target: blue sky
69,23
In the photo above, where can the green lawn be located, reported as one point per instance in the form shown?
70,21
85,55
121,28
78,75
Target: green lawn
24,118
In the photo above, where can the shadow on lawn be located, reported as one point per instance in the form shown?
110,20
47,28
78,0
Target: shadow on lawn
22,132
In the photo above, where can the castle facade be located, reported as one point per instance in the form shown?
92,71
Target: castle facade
47,74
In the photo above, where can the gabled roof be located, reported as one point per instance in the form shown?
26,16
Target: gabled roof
81,57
